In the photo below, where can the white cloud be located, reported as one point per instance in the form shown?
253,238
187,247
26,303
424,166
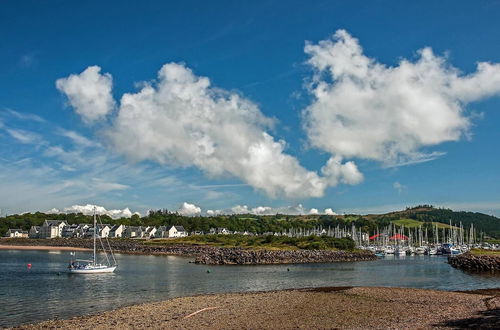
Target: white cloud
212,213
189,210
268,210
25,136
100,210
77,138
336,172
240,209
25,116
365,109
329,211
181,120
89,93
313,211
399,187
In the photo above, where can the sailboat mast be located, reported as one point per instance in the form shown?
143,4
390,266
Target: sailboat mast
95,234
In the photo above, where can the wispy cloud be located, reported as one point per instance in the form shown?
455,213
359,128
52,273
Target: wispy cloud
24,116
77,138
399,187
25,137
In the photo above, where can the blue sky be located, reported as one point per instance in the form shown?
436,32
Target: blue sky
327,104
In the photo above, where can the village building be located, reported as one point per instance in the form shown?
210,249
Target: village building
34,232
150,232
161,232
177,231
17,233
52,228
134,232
69,231
116,231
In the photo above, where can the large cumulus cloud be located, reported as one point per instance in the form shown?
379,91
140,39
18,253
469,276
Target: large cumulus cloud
365,109
181,120
89,93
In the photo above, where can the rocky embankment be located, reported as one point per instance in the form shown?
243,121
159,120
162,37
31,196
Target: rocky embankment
470,261
238,256
209,255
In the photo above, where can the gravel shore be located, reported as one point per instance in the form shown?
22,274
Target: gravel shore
321,308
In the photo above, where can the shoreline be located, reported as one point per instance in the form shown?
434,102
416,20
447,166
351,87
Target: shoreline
206,254
42,248
326,307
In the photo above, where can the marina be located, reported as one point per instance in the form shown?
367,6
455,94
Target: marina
45,291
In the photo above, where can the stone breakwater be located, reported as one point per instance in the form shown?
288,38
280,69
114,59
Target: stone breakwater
238,256
209,255
469,261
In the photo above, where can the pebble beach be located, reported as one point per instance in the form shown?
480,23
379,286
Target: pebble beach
318,308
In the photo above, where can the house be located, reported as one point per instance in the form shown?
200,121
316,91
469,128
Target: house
69,231
34,232
134,232
17,233
103,230
150,231
52,228
219,231
161,232
116,231
177,231
81,230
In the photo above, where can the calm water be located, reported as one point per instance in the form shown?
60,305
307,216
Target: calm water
40,293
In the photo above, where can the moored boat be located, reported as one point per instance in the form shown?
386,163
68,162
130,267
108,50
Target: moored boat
80,266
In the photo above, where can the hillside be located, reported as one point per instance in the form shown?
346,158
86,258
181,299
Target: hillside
426,216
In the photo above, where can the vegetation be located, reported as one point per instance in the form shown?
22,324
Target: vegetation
482,252
408,223
424,215
264,242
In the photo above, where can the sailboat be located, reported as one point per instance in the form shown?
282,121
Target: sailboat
80,266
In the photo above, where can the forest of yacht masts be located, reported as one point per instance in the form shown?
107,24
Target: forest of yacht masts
397,235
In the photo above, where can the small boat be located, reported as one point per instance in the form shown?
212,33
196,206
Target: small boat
420,250
80,266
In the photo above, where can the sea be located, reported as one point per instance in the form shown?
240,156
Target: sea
46,291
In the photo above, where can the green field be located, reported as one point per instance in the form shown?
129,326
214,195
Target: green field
481,252
408,223
263,242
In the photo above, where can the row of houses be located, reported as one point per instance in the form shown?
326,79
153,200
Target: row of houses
58,228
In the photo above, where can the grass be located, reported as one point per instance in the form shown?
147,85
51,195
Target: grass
482,252
263,242
408,223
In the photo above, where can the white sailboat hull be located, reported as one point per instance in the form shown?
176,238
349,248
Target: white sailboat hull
93,270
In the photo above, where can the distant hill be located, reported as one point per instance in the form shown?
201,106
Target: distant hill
482,222
425,215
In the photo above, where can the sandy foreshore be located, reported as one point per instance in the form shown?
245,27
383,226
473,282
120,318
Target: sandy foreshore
41,247
322,308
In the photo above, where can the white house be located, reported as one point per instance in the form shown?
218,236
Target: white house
177,231
52,228
103,230
17,233
116,231
219,231
150,232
